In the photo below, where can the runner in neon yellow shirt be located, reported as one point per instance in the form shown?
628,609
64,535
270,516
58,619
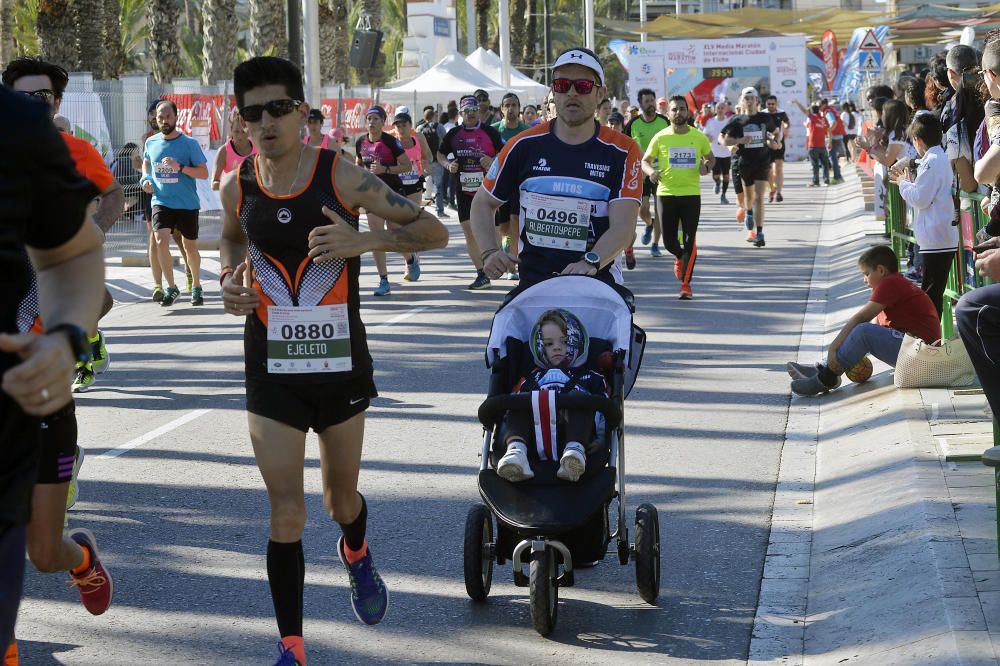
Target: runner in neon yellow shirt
682,154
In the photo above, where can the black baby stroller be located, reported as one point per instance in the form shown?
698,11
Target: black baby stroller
547,524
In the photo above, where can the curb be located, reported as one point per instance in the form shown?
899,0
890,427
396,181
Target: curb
865,561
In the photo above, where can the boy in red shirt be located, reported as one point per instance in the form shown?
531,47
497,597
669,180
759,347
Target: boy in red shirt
899,307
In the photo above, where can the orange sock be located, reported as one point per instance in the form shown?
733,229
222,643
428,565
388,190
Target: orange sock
83,565
10,657
353,556
297,646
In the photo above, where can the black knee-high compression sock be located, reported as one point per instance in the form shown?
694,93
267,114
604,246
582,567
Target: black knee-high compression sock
354,532
286,572
725,186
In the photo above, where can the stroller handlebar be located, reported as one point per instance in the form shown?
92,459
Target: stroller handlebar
492,411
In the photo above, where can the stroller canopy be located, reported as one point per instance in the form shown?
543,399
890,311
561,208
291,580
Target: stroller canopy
601,309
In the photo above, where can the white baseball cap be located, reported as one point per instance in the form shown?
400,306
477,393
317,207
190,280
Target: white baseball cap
580,56
402,109
749,91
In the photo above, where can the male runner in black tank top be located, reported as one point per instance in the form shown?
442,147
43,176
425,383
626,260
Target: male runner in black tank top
293,209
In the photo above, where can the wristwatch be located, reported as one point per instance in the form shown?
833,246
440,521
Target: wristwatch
593,259
78,342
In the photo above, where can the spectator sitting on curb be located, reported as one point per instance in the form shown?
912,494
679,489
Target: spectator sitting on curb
930,196
899,306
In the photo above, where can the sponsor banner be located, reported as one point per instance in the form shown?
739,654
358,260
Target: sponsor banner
200,116
830,57
87,121
354,110
646,72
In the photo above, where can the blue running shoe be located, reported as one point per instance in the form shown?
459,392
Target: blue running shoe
286,657
369,597
647,235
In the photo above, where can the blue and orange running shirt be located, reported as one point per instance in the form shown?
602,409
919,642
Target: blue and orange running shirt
562,192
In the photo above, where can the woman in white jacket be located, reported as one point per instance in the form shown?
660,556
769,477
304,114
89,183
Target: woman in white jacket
929,194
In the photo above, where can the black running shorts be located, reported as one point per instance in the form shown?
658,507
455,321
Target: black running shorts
722,166
184,221
315,406
407,190
57,446
464,202
754,172
778,154
648,188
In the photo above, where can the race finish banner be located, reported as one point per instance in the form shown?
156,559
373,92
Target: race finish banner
709,70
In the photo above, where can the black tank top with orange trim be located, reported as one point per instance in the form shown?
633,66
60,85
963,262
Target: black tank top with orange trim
277,230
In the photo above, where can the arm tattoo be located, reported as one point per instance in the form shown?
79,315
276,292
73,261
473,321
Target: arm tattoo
372,183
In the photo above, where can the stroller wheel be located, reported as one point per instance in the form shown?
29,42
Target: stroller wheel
647,552
544,591
478,554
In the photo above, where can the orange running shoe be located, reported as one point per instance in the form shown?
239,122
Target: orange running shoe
678,267
751,236
10,658
741,214
686,294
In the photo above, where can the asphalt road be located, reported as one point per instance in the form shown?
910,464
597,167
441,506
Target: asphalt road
181,517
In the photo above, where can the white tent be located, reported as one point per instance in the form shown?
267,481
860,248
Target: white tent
488,62
449,79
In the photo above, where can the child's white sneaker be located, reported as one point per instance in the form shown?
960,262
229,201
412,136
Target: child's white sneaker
514,466
572,463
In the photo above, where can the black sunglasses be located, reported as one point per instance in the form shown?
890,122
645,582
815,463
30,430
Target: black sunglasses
275,108
583,86
45,94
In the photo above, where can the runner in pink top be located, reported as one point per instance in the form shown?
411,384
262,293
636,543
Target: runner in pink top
229,156
416,148
315,136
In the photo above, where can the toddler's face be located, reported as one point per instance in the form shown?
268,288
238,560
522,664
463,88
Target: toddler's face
555,344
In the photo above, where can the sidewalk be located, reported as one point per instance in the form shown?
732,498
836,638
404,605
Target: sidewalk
883,541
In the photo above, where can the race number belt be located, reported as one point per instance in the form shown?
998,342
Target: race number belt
470,180
308,339
683,158
556,222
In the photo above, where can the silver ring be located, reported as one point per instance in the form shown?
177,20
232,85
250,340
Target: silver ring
45,394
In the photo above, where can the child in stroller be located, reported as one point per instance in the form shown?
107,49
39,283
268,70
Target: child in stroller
559,346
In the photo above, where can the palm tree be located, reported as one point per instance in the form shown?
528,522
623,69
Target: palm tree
57,32
327,43
528,55
134,31
7,45
25,15
517,29
114,56
342,41
219,31
164,43
483,22
267,28
90,36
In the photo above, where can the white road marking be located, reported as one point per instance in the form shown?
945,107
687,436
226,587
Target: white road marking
400,317
153,434
934,411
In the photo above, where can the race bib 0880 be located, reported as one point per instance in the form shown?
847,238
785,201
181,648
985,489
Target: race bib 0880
308,339
556,222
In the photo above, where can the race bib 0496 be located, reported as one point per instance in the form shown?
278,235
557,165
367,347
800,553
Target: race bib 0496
310,339
556,222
